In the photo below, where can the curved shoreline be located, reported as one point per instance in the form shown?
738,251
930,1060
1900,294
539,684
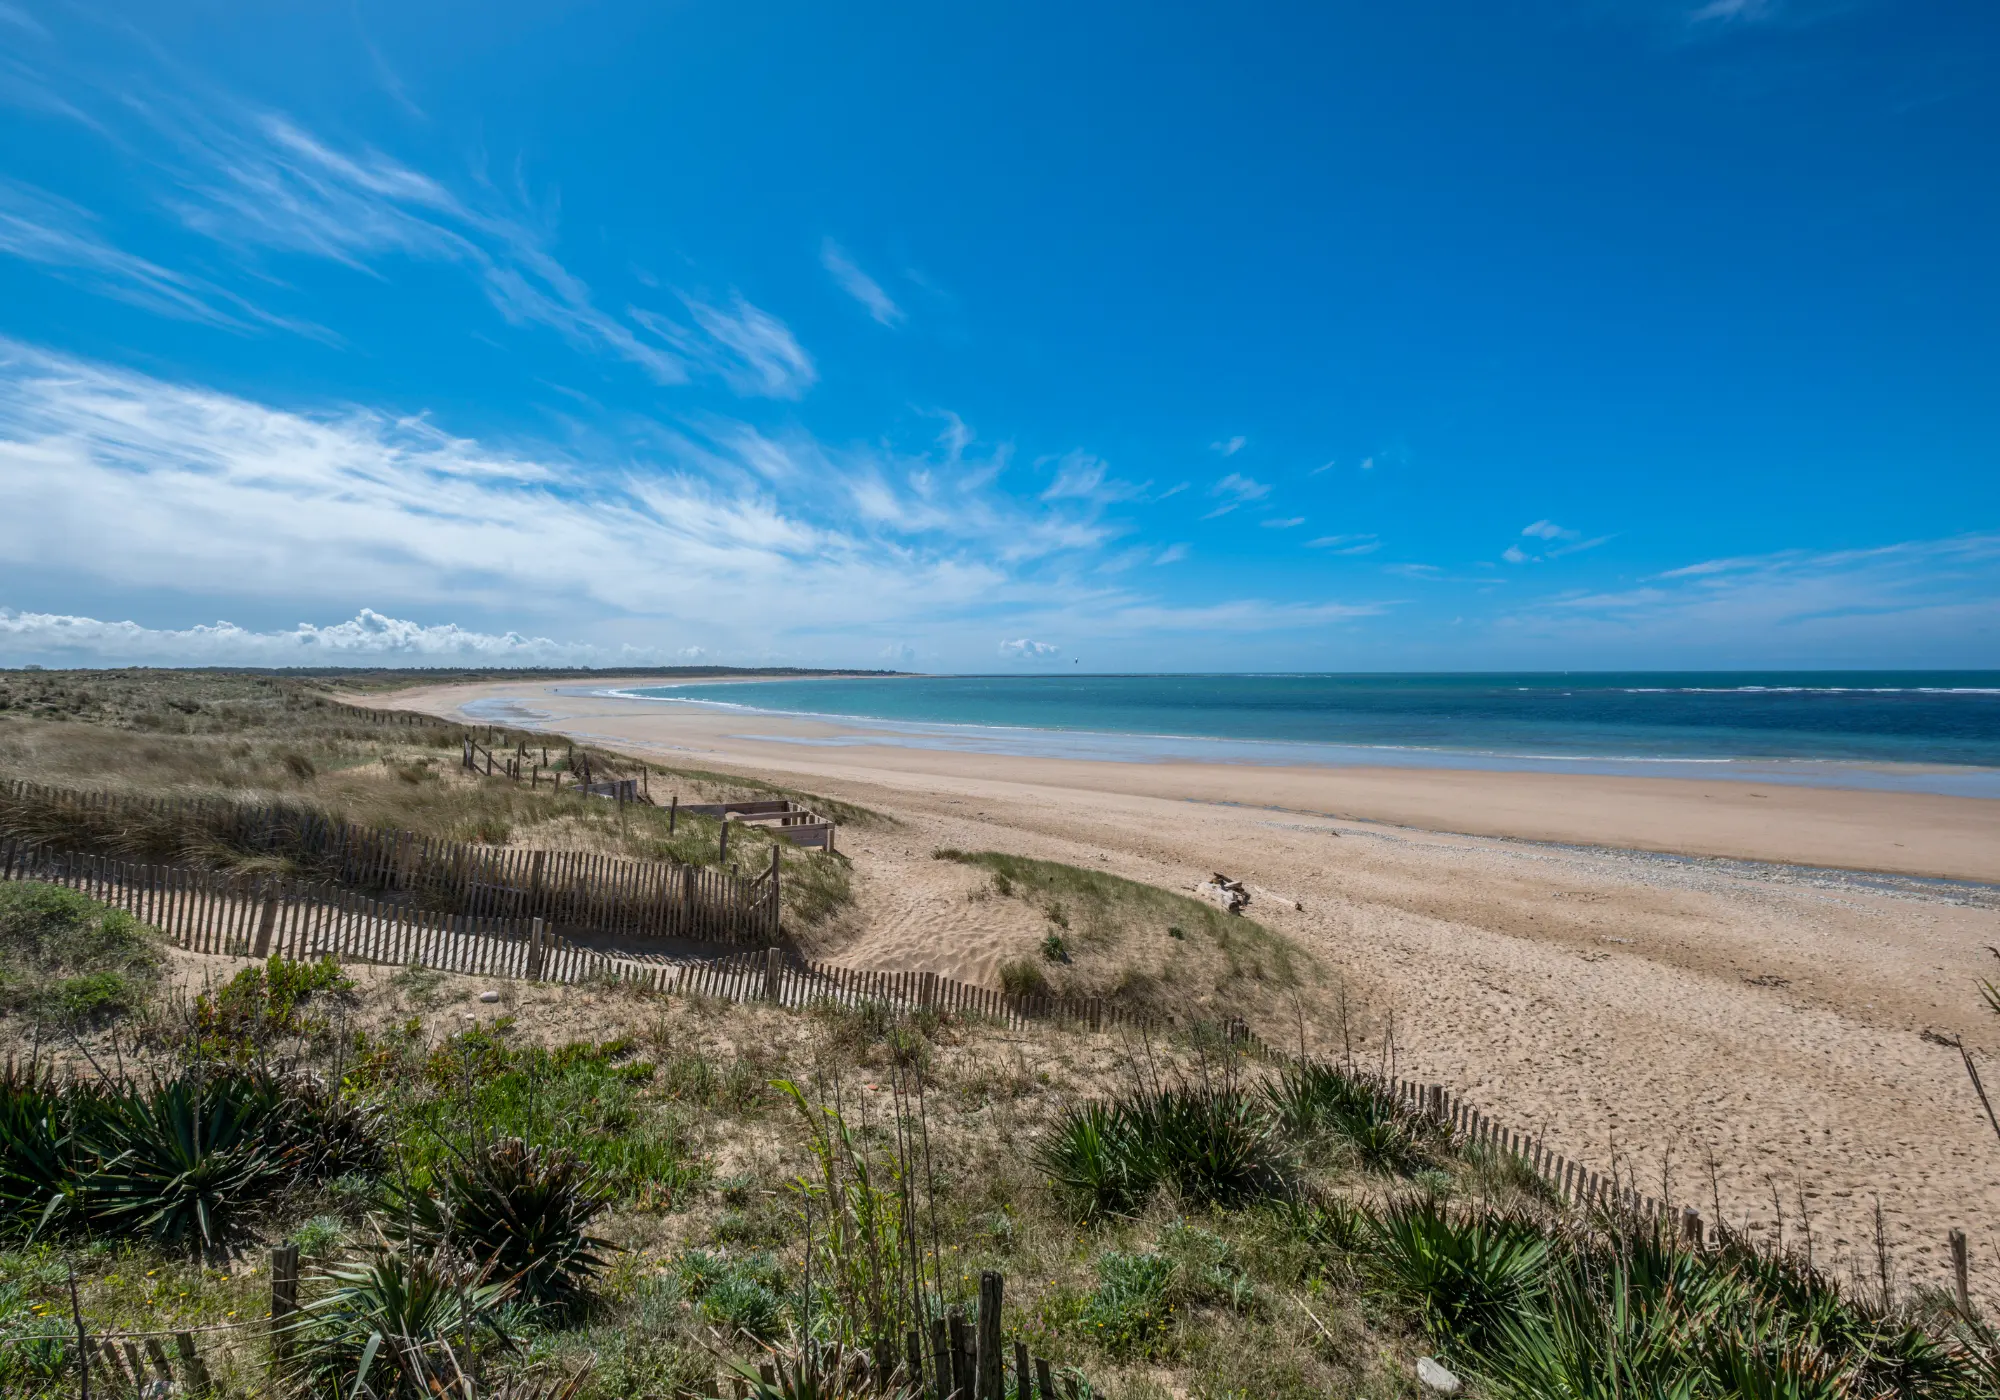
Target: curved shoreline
1143,746
1897,833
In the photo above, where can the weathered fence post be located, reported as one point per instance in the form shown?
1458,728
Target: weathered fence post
1958,1272
537,948
773,969
774,890
262,947
673,814
986,1368
961,1355
82,1338
284,1297
1691,1227
194,1371
941,1356
722,856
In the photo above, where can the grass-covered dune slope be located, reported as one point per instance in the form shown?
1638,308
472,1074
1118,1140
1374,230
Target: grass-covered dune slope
273,739
1151,950
632,1194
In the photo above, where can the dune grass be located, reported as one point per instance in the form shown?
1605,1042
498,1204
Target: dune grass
273,739
1137,944
1171,1220
68,960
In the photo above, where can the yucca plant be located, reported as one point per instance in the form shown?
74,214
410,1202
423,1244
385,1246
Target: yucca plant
184,1159
1602,1335
522,1212
1214,1144
46,1151
402,1326
1459,1273
1313,1100
824,1373
1091,1157
331,1133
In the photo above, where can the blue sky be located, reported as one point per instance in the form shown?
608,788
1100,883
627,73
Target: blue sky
1560,333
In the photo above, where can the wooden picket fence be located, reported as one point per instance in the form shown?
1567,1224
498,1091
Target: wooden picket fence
205,911
570,889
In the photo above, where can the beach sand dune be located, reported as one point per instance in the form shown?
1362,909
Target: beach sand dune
1767,1036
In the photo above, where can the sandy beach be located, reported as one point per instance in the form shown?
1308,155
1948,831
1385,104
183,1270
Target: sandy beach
1676,972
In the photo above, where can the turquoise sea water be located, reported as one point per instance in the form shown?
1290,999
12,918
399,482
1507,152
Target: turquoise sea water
1847,728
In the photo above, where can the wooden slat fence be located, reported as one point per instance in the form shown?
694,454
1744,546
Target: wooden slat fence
206,911
572,889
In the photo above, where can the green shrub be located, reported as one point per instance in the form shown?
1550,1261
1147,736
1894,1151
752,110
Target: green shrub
580,1097
741,1294
1021,978
1054,949
1460,1274
1213,1145
264,1004
321,1237
1090,1159
65,957
1315,1101
390,1329
522,1212
1128,1312
181,1161
184,1160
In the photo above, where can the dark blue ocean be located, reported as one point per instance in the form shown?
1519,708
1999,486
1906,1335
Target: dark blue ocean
1797,726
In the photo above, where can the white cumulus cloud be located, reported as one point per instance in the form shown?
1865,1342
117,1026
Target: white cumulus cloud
1022,649
367,638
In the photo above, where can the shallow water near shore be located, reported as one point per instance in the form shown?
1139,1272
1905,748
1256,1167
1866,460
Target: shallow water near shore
1933,732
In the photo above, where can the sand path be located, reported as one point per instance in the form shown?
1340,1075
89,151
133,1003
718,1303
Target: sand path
1783,1022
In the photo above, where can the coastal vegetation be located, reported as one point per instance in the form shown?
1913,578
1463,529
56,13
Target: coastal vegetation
287,744
618,1193
1141,946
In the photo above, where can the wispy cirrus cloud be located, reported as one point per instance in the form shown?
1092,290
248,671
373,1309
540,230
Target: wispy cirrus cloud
1228,447
1235,490
39,227
1083,477
259,183
204,490
1928,601
1346,544
1552,541
1290,522
848,275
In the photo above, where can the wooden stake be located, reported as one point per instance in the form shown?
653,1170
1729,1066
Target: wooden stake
1958,1272
986,1368
261,948
82,1338
194,1371
284,1296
